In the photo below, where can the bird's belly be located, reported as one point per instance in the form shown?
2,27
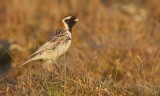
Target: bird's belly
58,51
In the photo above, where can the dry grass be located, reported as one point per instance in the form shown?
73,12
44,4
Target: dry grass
115,48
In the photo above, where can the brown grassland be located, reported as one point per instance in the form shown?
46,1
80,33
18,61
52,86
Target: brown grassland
115,49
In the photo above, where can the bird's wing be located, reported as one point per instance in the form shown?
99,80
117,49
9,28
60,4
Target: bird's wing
51,43
44,47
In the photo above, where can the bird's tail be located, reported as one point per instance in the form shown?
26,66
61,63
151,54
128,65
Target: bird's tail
25,62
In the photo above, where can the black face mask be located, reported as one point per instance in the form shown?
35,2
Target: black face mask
71,22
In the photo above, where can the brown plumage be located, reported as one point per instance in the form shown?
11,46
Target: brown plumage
57,44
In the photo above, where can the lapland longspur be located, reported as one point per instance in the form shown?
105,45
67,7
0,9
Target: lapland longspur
57,44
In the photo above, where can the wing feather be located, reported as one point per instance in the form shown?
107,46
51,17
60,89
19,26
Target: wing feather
50,44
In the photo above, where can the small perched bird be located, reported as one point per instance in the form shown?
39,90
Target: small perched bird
57,44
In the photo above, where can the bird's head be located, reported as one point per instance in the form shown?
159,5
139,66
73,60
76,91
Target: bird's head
68,22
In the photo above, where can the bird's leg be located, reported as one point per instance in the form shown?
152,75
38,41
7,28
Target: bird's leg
55,63
48,65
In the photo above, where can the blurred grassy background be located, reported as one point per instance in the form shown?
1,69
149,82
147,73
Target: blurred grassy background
117,38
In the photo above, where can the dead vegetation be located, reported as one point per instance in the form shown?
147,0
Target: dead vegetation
115,48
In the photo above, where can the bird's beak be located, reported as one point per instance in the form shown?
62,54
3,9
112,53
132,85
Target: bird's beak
76,20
